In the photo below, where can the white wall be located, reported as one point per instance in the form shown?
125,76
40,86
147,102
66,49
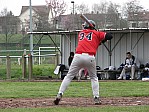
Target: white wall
24,17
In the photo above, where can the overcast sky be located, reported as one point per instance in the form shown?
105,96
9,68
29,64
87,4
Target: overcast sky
15,5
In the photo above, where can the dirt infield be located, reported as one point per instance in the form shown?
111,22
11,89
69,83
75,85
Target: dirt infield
72,102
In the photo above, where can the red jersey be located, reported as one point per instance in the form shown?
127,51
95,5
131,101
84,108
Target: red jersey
89,40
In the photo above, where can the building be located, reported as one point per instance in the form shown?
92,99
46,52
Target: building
39,14
138,20
64,22
134,40
124,40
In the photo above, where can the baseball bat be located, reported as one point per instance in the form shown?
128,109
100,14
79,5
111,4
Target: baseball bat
87,21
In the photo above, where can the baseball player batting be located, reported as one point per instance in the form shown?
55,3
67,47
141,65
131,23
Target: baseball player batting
88,41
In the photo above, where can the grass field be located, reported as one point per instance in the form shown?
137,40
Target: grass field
76,89
81,109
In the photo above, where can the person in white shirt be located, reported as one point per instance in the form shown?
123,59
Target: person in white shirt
131,64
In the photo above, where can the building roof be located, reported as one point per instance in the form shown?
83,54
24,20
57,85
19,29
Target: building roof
139,16
40,9
71,21
123,30
95,17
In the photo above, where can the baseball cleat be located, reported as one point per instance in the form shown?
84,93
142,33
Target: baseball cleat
58,98
97,101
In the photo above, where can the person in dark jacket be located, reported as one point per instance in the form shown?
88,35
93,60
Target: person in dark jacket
70,58
130,66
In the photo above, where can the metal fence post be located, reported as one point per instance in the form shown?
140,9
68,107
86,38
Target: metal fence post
57,59
24,67
30,66
8,62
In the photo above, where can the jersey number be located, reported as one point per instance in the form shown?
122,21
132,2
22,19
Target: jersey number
88,36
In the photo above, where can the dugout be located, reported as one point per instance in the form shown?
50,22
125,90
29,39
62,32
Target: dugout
112,53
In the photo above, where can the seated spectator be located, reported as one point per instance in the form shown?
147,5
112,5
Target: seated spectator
131,64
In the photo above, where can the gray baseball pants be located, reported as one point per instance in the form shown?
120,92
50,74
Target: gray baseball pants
82,61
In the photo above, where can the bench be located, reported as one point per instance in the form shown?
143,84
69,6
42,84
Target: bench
108,74
102,74
105,74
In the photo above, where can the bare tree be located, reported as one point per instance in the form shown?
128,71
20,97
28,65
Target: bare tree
131,7
113,15
82,8
57,7
109,12
100,7
112,8
9,24
131,11
40,22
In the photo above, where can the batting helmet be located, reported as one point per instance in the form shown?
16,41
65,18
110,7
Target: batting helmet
87,26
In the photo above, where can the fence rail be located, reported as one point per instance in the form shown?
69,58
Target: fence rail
27,50
26,60
28,56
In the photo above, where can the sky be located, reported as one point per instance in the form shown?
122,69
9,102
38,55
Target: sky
15,5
